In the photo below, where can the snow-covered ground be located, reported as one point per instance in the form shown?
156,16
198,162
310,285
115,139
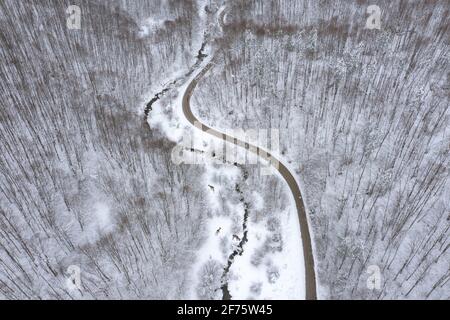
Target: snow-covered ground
281,276
271,265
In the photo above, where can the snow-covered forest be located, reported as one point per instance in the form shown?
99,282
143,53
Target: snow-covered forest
84,181
87,179
363,117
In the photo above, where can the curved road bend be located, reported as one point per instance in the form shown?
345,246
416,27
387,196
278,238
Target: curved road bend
310,277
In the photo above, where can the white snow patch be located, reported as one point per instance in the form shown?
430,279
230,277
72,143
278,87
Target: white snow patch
210,248
290,283
102,213
258,203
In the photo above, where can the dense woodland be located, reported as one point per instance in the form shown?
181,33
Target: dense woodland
363,118
84,180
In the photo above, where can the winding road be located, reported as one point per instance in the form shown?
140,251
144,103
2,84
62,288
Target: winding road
310,277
